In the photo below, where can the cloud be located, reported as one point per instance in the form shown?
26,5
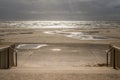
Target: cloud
60,9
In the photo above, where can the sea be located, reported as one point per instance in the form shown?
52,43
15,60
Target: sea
60,24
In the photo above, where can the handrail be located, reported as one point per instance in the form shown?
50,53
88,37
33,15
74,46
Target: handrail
15,51
107,55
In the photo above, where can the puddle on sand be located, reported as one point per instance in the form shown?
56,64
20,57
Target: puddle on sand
79,35
87,37
30,46
83,36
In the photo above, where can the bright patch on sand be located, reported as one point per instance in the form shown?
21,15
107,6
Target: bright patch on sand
52,32
56,49
30,46
48,32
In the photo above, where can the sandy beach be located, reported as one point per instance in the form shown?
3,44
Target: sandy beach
60,54
59,39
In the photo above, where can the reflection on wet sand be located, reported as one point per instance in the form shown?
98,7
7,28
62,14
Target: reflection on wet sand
30,46
86,35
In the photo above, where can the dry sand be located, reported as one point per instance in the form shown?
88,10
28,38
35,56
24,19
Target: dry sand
64,58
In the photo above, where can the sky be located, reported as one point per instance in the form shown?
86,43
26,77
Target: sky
59,9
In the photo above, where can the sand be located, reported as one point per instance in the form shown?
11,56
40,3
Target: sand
64,58
39,35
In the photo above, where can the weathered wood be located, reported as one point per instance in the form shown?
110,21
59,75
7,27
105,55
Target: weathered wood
7,56
115,55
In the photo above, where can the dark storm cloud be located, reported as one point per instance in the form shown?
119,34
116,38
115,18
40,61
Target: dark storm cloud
59,9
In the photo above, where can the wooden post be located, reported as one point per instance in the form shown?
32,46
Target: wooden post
114,59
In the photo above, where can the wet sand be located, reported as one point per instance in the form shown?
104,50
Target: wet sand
40,35
63,58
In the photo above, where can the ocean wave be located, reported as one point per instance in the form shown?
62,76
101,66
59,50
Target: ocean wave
60,24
